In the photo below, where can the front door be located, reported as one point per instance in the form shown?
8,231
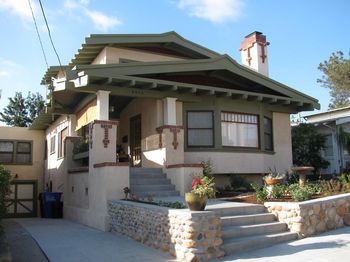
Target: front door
23,199
135,140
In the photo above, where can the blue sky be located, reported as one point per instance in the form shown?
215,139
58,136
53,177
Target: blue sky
301,33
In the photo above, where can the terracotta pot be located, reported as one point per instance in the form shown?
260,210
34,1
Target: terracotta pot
273,181
195,202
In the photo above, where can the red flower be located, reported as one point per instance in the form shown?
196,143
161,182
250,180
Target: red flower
196,181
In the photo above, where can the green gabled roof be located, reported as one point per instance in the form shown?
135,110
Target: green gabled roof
52,71
168,43
223,62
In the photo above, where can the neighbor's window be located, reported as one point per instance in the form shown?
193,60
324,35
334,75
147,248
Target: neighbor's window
52,144
328,150
61,137
268,137
15,152
200,129
240,130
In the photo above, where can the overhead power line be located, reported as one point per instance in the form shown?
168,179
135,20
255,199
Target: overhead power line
37,31
48,30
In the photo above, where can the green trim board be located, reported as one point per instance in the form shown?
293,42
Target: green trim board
214,64
169,42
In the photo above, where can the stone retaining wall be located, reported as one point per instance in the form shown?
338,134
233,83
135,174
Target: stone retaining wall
189,236
314,216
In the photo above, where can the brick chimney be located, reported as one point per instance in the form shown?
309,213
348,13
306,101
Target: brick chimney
254,52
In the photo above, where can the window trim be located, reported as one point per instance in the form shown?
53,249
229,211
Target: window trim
14,153
272,142
52,144
257,124
213,128
60,143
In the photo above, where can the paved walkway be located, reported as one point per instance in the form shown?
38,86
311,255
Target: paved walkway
63,240
66,241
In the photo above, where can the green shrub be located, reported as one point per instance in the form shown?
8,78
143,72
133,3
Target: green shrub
301,193
238,181
344,179
261,193
5,180
278,191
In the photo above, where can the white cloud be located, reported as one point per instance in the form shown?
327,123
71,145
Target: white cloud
216,11
70,4
3,73
102,21
18,7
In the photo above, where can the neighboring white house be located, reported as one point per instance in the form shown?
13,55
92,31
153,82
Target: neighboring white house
161,101
330,124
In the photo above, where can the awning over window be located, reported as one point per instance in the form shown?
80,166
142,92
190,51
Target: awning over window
87,114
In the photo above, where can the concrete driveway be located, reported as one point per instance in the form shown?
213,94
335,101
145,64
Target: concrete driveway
63,240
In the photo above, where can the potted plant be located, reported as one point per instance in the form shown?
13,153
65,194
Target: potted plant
202,189
273,178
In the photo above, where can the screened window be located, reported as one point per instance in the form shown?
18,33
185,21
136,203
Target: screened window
240,130
61,137
268,137
200,130
52,144
15,152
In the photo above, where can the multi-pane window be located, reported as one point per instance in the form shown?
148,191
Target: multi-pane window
52,144
15,152
268,137
200,129
240,130
61,137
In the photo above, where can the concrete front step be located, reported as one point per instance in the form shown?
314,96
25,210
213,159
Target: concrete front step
150,181
247,219
152,187
251,230
235,245
136,170
158,193
238,210
146,175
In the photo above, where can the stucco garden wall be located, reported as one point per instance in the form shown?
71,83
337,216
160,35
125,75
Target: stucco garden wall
186,235
314,216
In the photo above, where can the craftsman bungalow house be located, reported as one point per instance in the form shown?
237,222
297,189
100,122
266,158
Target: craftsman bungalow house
160,101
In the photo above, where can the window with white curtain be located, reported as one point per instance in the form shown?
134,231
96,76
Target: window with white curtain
240,130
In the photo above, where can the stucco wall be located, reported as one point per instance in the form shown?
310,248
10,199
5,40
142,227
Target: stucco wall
112,55
103,183
35,171
55,167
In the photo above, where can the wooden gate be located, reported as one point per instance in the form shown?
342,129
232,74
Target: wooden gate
23,199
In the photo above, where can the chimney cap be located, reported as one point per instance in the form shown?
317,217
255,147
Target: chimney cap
254,33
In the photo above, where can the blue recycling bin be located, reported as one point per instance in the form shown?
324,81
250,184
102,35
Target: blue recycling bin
51,205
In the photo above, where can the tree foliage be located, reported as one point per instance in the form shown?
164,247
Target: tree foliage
306,146
5,180
336,77
22,111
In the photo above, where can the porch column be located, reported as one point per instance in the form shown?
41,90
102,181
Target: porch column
103,142
102,105
169,109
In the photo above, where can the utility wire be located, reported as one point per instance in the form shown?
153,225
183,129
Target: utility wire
37,31
48,29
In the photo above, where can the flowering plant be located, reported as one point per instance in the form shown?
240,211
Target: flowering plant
203,186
